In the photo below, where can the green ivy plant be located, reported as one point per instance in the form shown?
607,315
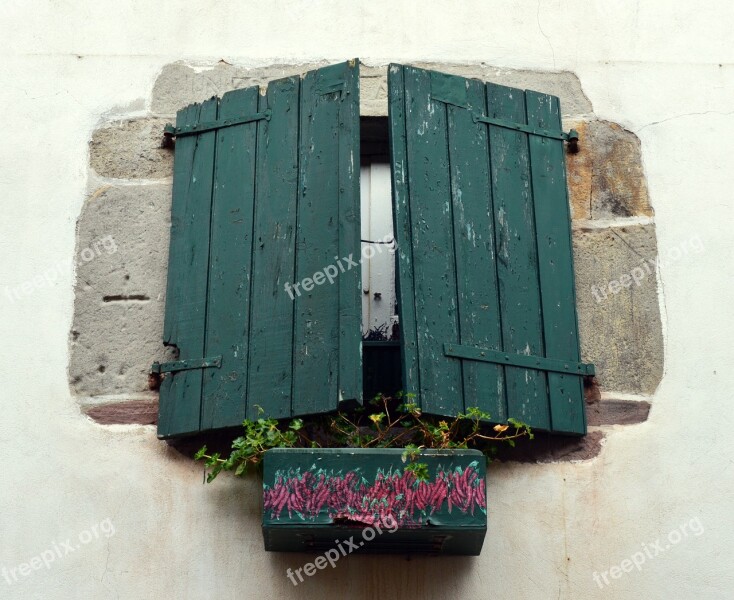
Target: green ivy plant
376,426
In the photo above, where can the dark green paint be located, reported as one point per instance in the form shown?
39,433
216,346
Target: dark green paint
327,338
228,299
259,202
432,242
519,287
403,231
555,262
230,121
444,532
476,276
539,363
556,135
483,228
274,252
186,292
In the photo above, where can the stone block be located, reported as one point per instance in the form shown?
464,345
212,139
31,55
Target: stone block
578,173
617,412
131,150
619,314
179,85
618,185
120,290
134,412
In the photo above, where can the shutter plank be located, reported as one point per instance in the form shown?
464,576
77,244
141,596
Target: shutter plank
434,268
317,310
186,290
271,331
228,305
555,262
478,300
350,283
403,235
517,262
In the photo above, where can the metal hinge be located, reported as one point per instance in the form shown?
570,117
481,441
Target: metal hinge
571,136
187,365
538,363
170,130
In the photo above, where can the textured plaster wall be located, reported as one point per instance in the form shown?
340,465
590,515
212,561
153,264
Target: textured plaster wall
660,70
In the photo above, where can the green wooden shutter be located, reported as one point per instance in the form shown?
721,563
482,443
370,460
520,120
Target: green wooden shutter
265,193
485,268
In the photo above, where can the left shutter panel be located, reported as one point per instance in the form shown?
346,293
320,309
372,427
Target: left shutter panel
266,197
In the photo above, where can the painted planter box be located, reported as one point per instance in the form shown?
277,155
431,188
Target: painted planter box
317,499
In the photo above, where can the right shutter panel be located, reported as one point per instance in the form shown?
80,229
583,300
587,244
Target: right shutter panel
485,269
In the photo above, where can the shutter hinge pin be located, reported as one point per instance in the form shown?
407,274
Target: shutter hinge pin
573,141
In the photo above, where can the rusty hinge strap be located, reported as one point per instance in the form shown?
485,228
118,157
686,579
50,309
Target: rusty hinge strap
187,365
556,135
212,125
538,363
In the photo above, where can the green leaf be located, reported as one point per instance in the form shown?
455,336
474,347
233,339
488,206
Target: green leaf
420,470
296,424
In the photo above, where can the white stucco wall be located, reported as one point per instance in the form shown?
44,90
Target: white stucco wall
663,69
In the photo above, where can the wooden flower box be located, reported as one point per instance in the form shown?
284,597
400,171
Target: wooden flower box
364,500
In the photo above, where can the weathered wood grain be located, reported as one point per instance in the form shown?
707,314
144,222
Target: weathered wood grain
185,320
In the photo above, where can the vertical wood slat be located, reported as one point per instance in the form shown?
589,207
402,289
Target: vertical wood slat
315,350
349,240
405,289
323,196
434,268
517,261
180,396
271,329
474,246
555,261
228,304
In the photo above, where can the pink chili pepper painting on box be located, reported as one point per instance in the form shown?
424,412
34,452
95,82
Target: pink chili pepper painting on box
395,494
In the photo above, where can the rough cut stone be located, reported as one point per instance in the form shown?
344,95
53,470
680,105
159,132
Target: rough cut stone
618,185
120,290
617,412
131,150
578,169
619,315
135,412
179,85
